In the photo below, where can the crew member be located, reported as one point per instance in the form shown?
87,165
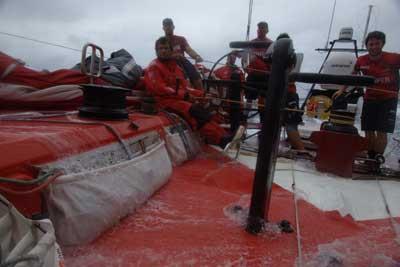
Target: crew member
292,118
179,46
233,92
165,80
378,115
258,68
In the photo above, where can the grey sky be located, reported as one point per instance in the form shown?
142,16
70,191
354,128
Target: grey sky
208,25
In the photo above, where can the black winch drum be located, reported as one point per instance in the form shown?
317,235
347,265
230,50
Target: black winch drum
103,102
343,117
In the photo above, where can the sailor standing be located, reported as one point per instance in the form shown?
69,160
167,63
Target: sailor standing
380,100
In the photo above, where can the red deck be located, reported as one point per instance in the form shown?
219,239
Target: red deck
190,222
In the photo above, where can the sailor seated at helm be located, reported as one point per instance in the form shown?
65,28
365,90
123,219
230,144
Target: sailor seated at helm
165,80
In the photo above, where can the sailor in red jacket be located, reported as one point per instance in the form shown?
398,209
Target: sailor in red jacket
225,72
257,67
165,80
232,72
380,100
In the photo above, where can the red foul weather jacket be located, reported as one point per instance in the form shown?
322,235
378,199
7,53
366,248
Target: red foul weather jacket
166,82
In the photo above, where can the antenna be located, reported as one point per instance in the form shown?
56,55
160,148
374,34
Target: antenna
366,25
330,26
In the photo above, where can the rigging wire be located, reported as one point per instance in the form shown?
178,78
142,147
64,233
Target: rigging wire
394,224
40,41
330,26
67,47
296,208
79,50
366,25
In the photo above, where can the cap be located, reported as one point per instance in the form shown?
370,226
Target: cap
167,21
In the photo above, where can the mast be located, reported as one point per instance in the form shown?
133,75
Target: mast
330,26
249,19
366,25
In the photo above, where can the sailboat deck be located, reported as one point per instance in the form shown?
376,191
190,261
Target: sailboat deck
198,219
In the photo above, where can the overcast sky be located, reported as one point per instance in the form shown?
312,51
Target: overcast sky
208,25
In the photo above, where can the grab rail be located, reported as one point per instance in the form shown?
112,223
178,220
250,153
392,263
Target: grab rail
92,74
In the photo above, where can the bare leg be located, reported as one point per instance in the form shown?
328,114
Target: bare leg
371,137
249,105
198,84
295,140
380,142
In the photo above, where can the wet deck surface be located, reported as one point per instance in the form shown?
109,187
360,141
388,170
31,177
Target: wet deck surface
195,221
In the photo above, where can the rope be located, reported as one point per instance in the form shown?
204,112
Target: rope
27,258
262,106
17,116
34,190
298,234
394,224
38,180
269,72
175,123
212,62
224,100
232,65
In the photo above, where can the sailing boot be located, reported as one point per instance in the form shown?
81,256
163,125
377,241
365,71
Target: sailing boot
379,159
370,162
